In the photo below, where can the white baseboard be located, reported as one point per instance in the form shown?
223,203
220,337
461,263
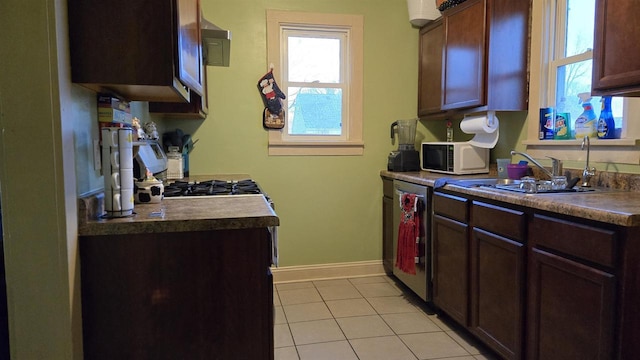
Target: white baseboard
327,271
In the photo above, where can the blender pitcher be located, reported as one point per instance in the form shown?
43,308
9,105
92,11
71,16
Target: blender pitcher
406,130
406,158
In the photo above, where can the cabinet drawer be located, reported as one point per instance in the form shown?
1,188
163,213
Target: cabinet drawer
499,220
453,207
583,241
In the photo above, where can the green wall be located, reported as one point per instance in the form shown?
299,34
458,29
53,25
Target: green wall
329,206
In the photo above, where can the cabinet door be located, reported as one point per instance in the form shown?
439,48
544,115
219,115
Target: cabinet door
180,295
387,225
387,234
615,69
113,49
190,64
571,309
464,56
120,293
497,292
430,68
451,267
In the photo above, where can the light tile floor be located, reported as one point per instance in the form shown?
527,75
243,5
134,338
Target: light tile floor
365,318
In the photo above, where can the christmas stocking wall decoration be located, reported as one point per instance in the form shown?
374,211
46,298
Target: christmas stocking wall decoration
273,115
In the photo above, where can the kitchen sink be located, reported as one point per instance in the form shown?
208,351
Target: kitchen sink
490,182
516,186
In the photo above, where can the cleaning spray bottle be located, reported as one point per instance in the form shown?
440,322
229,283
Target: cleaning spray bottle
585,123
606,124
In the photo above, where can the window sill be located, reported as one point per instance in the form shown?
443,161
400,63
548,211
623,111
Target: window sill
620,151
319,148
578,142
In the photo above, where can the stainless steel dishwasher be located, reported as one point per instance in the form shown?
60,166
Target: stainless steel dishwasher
420,283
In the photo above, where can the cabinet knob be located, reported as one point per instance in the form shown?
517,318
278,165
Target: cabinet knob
159,296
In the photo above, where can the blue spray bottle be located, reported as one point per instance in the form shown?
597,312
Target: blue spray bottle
606,124
585,124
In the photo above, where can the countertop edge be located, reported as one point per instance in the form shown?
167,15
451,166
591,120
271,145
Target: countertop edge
194,214
617,207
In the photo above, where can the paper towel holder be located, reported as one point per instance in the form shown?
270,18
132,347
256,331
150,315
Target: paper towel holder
422,11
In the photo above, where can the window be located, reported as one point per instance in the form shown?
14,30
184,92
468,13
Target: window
317,61
570,63
560,63
571,59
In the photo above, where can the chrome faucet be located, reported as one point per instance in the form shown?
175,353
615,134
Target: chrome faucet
587,173
556,164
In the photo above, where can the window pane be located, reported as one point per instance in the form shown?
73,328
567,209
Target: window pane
580,22
572,80
314,111
314,59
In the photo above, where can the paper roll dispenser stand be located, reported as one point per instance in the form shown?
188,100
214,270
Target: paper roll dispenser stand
406,158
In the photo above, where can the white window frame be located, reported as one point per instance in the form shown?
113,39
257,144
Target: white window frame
351,142
318,32
556,61
542,94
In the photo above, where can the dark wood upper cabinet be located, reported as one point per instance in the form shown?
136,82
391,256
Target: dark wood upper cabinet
197,108
154,57
483,57
464,56
190,65
616,68
430,68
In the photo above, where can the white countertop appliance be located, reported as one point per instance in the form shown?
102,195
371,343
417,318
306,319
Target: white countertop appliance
149,156
455,158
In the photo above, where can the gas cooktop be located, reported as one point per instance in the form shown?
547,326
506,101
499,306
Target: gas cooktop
181,189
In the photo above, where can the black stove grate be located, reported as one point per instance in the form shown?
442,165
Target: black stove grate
211,188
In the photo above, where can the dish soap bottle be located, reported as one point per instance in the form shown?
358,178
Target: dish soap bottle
585,124
606,124
561,129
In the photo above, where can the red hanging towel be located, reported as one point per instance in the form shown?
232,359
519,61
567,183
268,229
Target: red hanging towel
408,233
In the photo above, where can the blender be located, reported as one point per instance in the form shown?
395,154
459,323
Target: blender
406,158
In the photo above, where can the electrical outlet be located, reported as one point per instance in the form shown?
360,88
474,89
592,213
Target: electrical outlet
97,162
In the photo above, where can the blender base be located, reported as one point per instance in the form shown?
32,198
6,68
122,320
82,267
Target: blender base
404,160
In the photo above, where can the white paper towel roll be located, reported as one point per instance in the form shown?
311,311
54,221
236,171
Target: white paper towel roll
484,127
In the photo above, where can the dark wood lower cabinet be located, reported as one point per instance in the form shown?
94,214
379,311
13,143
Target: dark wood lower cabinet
186,295
497,292
533,284
498,265
451,267
387,225
571,309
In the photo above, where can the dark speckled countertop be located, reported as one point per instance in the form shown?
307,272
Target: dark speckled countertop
179,214
614,206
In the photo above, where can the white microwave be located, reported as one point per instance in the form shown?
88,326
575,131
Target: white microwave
456,158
